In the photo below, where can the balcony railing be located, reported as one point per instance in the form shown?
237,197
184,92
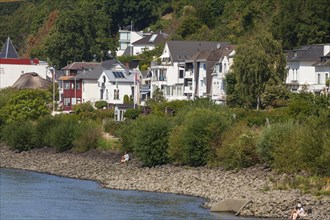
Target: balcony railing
188,89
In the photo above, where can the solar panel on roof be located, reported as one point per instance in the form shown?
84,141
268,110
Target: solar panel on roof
118,75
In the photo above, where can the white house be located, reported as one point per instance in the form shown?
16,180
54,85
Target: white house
220,70
170,74
148,42
115,84
12,67
308,66
126,39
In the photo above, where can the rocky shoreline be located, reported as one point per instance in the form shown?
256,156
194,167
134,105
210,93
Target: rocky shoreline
213,184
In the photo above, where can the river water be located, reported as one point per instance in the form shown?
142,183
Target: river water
26,195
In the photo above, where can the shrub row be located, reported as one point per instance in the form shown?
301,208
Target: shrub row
62,132
231,138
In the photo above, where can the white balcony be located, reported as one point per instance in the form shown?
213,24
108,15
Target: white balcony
188,74
188,89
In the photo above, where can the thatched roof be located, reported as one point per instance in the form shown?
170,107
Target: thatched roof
31,81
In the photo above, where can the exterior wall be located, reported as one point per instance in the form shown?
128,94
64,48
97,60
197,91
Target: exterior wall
124,89
222,68
201,79
127,38
141,48
9,73
322,73
90,91
71,95
304,73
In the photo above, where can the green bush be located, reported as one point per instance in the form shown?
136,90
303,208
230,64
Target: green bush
65,131
101,104
110,126
43,127
104,114
194,142
132,113
88,138
20,135
273,137
83,107
239,148
152,140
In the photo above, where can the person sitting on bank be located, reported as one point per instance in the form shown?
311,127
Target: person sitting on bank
297,212
124,158
301,211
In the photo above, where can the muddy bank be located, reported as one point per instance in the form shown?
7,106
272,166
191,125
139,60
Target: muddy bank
214,184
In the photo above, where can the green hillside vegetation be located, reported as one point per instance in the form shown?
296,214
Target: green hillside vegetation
62,32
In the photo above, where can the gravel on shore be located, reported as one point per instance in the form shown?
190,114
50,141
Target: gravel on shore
214,184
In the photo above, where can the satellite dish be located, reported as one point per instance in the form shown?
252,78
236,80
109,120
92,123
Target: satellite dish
218,46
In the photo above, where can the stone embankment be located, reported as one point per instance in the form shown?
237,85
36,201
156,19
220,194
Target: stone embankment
214,184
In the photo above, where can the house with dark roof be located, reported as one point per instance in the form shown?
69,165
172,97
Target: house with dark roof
71,86
149,42
12,66
170,74
116,83
308,66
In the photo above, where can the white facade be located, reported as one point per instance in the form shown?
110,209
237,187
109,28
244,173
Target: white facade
221,69
90,91
138,49
126,39
201,68
305,72
9,73
113,90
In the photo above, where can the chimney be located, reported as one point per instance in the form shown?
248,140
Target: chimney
326,49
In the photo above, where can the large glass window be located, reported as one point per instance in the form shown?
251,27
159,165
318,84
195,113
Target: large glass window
125,36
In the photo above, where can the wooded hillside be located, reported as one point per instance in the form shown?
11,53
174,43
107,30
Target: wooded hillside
64,31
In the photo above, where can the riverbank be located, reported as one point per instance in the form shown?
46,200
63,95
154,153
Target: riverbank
214,184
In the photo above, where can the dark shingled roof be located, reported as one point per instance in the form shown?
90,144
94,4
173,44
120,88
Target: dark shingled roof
306,53
31,81
8,50
182,50
152,39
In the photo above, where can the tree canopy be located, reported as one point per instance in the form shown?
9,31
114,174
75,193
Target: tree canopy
259,61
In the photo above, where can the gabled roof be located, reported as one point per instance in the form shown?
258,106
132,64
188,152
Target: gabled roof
119,76
306,53
31,81
81,66
8,50
97,71
214,54
152,39
182,50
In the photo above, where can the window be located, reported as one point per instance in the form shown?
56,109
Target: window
181,74
106,94
116,94
326,77
125,36
318,78
67,101
66,85
78,85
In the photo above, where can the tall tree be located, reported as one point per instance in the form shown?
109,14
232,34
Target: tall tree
259,61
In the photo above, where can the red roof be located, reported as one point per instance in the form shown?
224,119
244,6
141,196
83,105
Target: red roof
19,61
